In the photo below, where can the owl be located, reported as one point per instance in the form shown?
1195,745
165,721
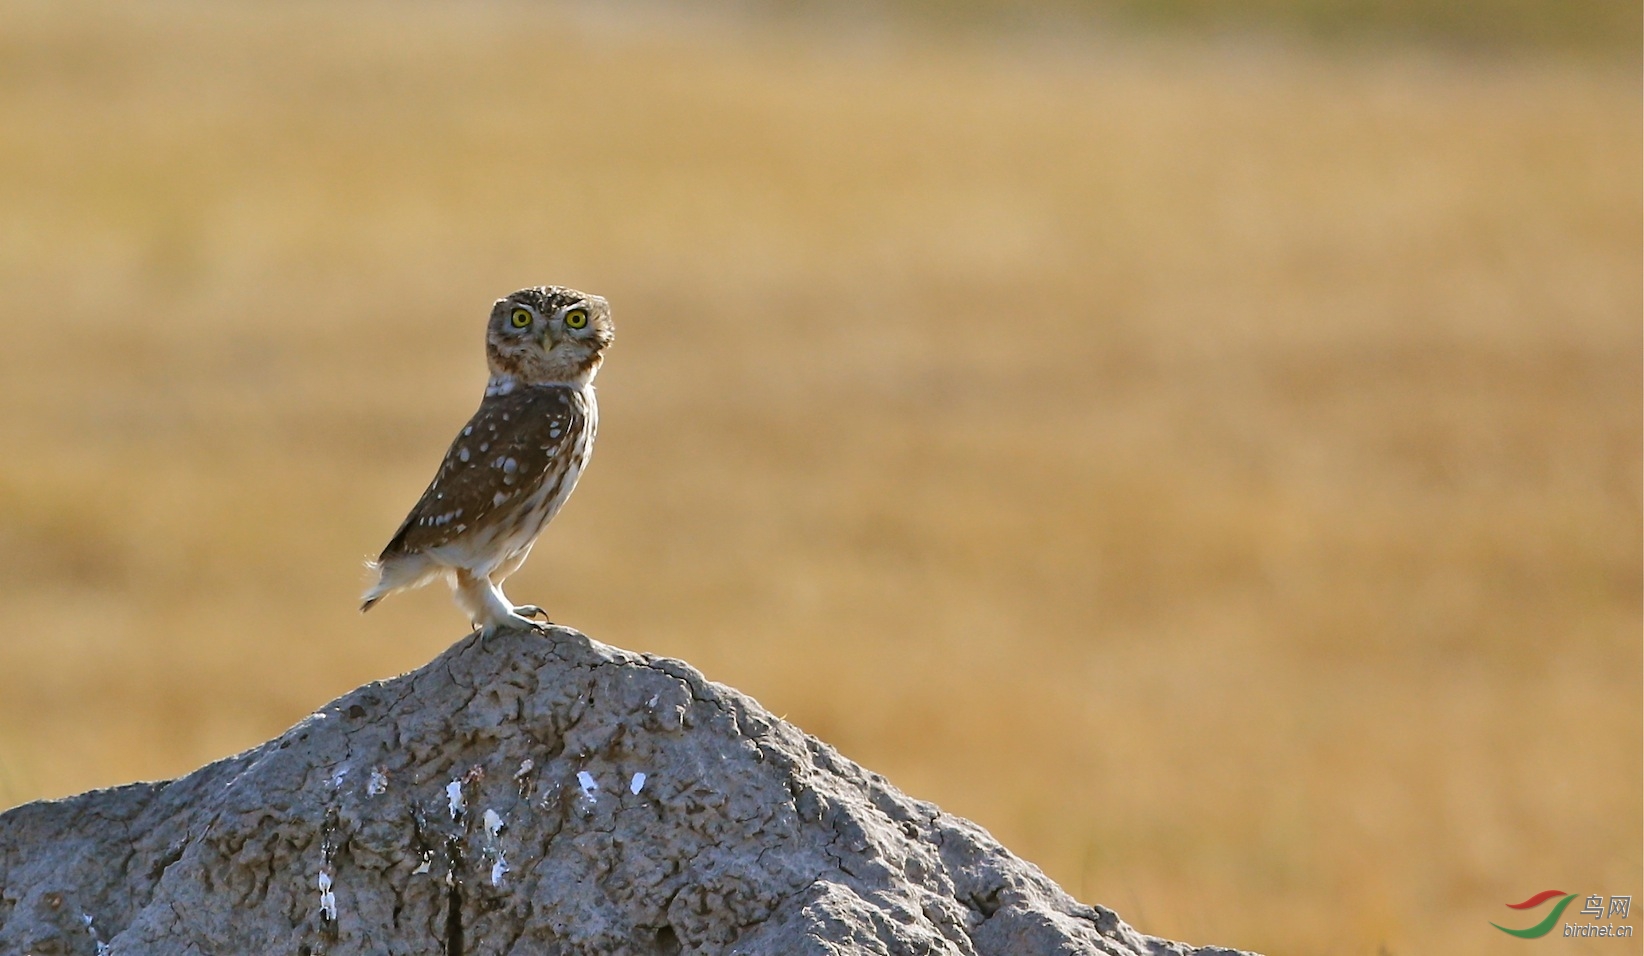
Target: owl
513,465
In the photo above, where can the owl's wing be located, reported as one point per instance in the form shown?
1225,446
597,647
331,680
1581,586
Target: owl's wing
505,452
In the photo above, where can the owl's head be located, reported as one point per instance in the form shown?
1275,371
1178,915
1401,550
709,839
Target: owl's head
549,335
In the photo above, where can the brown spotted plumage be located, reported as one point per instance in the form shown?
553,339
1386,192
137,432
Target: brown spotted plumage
515,462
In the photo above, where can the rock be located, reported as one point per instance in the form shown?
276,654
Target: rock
523,794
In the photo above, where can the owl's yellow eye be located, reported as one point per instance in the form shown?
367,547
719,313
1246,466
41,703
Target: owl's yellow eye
576,318
520,318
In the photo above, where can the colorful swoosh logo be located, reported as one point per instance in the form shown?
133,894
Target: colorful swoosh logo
1535,900
1545,926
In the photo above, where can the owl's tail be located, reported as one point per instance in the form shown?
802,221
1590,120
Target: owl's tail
397,574
377,592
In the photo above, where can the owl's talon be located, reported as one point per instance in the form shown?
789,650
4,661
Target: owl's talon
538,627
514,622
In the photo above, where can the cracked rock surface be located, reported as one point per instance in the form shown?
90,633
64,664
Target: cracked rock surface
522,794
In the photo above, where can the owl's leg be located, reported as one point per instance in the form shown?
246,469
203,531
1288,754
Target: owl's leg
485,603
509,567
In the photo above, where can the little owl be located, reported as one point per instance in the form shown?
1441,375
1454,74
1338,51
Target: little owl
515,462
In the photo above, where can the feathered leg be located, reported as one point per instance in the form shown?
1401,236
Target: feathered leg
485,603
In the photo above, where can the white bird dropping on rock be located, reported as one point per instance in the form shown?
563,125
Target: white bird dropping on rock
498,870
102,947
453,795
637,784
493,822
588,784
378,784
328,899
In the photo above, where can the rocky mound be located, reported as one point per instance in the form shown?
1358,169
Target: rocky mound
522,794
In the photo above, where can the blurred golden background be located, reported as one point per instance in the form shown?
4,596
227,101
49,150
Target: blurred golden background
1205,451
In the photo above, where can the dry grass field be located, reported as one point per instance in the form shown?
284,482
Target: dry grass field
1212,465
